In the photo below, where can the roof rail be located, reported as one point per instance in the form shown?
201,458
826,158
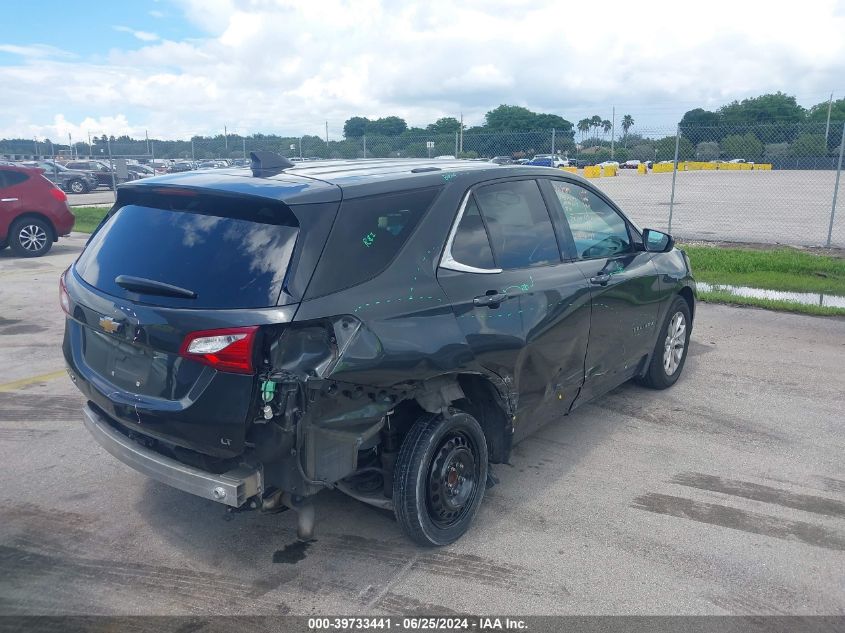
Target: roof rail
268,163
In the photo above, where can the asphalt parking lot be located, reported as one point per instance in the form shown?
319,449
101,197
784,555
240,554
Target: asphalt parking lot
723,495
786,206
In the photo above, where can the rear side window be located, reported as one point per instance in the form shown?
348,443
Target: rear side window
519,225
471,245
366,236
12,178
233,252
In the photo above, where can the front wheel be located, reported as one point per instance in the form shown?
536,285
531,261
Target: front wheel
440,477
670,352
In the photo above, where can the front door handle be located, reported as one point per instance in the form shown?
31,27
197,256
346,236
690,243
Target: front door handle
8,200
600,280
492,299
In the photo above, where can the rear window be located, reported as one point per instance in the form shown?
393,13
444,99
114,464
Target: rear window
366,236
231,252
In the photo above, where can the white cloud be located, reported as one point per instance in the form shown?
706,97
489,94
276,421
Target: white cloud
144,36
288,66
34,50
157,14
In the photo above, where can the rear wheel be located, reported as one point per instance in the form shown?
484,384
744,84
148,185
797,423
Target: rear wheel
670,351
30,237
440,477
77,186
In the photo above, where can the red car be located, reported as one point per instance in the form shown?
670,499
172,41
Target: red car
33,211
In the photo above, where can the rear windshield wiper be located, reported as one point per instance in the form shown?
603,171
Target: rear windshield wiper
153,287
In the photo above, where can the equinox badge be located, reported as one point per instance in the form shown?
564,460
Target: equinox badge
109,325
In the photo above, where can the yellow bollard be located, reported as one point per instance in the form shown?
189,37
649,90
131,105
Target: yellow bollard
709,166
593,171
642,169
610,170
763,166
571,170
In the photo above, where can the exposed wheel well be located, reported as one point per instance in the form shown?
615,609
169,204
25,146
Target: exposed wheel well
39,216
479,397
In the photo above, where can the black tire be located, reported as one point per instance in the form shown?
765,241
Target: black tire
77,185
663,373
30,237
434,498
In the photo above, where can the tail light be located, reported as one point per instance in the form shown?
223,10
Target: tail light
64,299
228,349
58,194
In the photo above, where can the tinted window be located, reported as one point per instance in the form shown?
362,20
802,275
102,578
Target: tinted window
471,246
232,252
518,224
366,236
598,231
11,178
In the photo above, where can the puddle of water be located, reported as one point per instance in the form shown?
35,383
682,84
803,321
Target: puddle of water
805,298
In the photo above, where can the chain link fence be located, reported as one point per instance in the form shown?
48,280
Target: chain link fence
773,183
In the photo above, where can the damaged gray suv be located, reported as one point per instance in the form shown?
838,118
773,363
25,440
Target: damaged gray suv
388,328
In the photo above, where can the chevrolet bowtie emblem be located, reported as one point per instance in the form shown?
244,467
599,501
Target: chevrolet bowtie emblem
109,325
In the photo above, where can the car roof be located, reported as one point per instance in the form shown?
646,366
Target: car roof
329,180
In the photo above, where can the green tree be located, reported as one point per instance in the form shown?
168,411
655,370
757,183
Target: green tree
583,127
595,124
508,118
768,108
701,125
606,126
707,150
445,125
627,124
387,126
818,113
808,145
552,121
745,146
666,149
773,151
355,127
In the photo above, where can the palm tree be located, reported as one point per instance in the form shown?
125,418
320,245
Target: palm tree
583,127
606,126
627,124
595,123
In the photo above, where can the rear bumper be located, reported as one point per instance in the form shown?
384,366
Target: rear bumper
232,488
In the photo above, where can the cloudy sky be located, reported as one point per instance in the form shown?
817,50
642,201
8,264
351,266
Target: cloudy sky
183,67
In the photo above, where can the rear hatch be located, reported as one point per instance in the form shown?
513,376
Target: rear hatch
169,274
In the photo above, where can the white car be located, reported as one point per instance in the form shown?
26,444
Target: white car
609,163
741,160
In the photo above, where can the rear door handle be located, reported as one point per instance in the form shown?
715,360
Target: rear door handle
8,200
492,300
600,280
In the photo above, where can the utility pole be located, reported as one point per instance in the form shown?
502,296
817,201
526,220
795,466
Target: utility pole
226,138
327,136
461,144
147,139
613,133
70,145
90,149
244,144
827,127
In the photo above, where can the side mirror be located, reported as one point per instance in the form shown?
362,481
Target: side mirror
657,241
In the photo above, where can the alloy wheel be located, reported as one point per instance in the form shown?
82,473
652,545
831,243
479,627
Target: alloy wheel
676,340
32,238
